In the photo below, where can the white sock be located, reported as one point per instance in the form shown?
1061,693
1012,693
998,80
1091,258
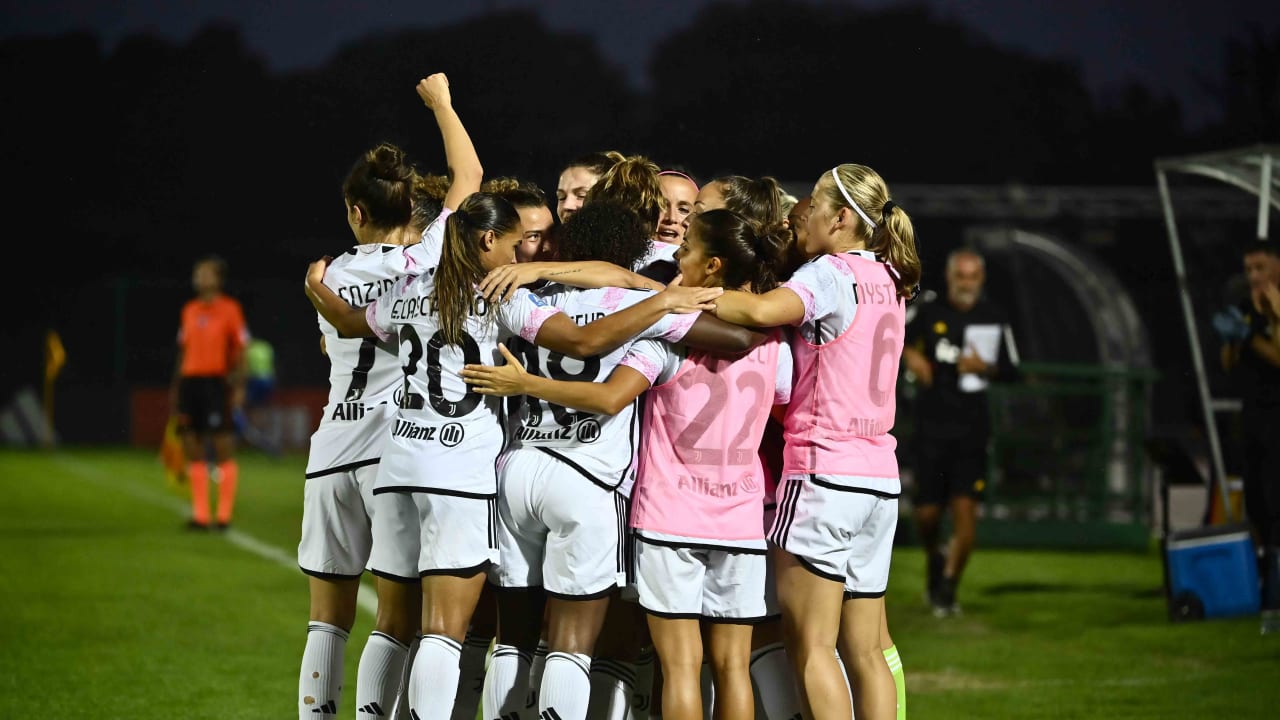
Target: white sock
536,668
400,711
566,686
433,684
776,695
613,683
506,685
642,693
320,679
380,676
471,677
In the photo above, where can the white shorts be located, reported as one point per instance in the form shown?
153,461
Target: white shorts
557,530
841,533
422,533
700,583
336,532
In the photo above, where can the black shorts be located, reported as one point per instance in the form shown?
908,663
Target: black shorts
950,468
203,404
1262,474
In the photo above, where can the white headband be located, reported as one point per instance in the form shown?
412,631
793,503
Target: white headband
854,205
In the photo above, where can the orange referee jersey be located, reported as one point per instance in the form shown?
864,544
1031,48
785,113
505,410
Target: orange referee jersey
212,337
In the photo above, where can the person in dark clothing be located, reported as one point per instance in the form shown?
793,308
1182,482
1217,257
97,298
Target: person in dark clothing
955,347
1251,354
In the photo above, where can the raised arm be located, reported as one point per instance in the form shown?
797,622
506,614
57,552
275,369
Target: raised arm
459,153
622,387
502,282
776,307
349,321
562,335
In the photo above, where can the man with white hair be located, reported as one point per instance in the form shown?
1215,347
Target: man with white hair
955,347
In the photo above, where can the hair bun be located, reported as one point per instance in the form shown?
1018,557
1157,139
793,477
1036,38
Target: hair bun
387,162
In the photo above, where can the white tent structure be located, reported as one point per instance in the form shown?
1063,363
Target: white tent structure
1253,170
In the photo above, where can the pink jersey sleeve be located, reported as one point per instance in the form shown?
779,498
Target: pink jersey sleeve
646,357
525,313
371,317
814,284
671,327
378,312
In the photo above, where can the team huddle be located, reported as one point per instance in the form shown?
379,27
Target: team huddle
660,427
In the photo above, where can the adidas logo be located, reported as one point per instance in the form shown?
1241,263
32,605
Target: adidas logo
374,709
550,714
329,708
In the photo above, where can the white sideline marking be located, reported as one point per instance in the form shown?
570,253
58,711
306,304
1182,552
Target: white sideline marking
365,599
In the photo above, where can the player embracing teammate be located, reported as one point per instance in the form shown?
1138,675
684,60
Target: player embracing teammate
450,477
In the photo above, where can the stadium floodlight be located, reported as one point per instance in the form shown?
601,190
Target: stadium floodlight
1252,170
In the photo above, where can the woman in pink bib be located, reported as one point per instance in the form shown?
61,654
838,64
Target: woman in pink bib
838,500
698,499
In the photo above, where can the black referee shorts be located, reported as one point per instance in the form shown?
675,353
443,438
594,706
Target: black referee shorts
204,404
953,467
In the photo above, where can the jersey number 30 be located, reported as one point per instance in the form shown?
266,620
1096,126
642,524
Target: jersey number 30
435,389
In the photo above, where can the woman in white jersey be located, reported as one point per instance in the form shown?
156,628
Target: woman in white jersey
564,483
336,540
622,672
693,566
837,508
445,438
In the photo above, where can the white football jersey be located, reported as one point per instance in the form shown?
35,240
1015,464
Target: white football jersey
660,252
601,448
426,254
445,437
364,374
828,291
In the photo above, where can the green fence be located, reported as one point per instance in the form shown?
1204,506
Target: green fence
1067,466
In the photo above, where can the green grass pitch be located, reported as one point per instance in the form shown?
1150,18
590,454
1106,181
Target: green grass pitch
111,610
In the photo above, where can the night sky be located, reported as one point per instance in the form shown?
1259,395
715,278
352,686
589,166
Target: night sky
1163,44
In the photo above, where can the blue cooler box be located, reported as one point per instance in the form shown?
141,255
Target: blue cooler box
1212,572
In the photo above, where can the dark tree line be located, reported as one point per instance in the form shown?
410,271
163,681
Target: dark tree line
150,154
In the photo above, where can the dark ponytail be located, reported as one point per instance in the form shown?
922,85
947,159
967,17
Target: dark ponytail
751,253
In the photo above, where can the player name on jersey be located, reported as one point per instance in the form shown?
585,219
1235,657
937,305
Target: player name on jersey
415,307
364,293
876,293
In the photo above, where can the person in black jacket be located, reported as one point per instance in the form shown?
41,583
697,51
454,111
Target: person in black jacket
1251,353
955,347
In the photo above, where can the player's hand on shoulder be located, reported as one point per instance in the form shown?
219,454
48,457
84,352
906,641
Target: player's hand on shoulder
434,91
680,299
502,282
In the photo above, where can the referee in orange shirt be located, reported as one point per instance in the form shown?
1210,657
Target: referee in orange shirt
208,386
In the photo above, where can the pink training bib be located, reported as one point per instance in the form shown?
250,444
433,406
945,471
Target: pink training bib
844,400
700,474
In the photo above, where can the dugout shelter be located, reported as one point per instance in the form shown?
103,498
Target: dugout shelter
1251,170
